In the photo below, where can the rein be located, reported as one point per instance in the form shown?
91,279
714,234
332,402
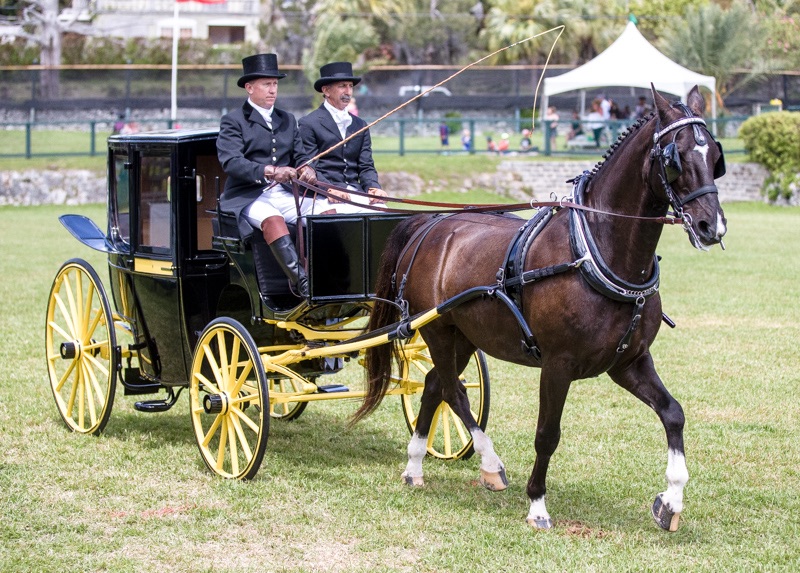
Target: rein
466,207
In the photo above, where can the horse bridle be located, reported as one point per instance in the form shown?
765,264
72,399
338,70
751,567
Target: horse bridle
669,161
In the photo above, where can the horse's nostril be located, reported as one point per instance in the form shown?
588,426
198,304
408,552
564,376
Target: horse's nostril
703,227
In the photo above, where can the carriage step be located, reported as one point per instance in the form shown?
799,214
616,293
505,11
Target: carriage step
331,388
153,405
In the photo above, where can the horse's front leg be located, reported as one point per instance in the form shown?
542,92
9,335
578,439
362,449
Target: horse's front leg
553,389
640,378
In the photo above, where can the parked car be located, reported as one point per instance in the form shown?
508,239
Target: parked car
406,91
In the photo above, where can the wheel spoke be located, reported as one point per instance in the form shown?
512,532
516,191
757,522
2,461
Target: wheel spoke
65,377
223,370
232,445
223,443
212,362
248,453
56,327
250,423
62,307
89,382
211,430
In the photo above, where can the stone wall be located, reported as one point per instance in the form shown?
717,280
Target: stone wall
742,182
514,178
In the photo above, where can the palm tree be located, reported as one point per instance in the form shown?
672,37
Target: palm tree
716,42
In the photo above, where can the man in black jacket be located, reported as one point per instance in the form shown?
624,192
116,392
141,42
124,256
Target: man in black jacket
260,149
350,165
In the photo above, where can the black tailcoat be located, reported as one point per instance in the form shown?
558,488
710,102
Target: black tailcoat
245,146
348,164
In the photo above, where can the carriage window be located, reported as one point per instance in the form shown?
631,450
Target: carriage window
209,176
121,223
154,209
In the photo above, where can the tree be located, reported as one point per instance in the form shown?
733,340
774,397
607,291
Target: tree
40,25
589,28
717,42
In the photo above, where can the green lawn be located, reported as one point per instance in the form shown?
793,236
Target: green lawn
329,498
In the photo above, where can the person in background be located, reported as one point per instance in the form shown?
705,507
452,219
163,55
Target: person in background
444,136
502,145
349,165
352,108
596,121
575,126
260,150
551,120
466,140
525,142
641,109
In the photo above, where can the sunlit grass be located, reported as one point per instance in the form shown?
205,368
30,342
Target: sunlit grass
329,497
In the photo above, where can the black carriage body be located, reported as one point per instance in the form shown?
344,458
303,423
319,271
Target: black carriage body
171,273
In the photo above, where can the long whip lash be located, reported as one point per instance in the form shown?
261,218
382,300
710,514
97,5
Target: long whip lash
444,81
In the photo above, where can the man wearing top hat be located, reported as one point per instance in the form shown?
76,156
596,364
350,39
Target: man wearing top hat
260,149
350,165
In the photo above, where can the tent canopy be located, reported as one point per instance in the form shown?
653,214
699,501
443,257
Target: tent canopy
631,61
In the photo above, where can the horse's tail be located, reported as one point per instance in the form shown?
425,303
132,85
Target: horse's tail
378,359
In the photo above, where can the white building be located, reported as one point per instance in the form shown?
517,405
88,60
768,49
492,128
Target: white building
222,22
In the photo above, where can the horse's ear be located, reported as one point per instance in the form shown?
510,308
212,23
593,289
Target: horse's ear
661,103
696,102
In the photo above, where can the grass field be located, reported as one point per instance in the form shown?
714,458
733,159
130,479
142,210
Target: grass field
329,498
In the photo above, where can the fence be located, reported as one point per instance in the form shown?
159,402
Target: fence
399,136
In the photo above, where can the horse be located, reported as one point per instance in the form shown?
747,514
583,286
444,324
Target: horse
584,277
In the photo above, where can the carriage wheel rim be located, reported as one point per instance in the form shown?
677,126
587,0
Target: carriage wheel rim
228,400
80,348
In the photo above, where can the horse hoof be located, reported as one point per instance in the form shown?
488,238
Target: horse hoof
494,481
540,522
415,481
664,516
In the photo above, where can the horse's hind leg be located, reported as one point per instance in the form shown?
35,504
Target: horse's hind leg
450,353
641,380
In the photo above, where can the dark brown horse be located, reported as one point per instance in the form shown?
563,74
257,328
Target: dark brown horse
586,283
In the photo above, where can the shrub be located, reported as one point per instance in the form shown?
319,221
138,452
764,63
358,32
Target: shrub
773,140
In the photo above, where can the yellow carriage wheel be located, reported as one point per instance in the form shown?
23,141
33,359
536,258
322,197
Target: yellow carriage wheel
82,354
285,411
229,400
448,438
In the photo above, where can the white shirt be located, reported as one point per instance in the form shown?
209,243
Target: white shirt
265,113
342,118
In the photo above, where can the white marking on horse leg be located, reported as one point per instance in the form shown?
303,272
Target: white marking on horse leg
677,478
538,516
417,448
493,473
721,228
490,461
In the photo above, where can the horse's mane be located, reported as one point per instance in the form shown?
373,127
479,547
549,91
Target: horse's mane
622,136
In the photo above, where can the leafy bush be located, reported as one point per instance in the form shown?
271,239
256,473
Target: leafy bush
773,140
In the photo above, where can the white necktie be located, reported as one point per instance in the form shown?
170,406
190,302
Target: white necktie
343,121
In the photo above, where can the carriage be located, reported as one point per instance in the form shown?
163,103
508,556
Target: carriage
191,305
572,291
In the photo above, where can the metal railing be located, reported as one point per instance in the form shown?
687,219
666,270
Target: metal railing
401,136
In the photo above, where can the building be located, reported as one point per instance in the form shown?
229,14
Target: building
221,22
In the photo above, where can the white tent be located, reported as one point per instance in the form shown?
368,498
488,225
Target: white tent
631,61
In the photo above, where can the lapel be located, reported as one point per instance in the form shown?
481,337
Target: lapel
326,121
253,116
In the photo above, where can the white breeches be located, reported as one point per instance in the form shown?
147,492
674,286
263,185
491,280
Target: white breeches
275,201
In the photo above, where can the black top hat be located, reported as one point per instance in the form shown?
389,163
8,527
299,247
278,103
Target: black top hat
335,72
259,66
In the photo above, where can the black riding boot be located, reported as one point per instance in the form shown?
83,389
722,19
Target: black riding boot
285,253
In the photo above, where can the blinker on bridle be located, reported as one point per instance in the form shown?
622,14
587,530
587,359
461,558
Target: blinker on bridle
669,159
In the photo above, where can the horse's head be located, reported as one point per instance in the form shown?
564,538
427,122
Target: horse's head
685,161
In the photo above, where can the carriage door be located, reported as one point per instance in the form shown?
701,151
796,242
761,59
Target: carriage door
155,276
